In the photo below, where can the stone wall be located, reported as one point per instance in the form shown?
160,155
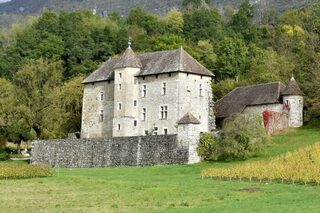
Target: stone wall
110,152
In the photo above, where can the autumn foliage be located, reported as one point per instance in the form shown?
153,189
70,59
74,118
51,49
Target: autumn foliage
302,166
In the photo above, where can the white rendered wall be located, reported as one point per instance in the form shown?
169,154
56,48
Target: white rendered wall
259,109
92,126
296,110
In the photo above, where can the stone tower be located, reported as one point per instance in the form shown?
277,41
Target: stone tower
293,98
189,135
126,94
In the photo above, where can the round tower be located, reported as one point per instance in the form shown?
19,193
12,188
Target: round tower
293,100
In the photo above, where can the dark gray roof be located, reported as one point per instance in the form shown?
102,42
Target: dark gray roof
292,88
151,64
238,99
188,119
128,59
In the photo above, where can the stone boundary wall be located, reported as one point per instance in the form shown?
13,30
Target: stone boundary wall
110,152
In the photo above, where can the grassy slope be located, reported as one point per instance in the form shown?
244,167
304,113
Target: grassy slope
162,189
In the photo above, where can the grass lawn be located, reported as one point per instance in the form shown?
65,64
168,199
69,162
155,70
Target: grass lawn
163,188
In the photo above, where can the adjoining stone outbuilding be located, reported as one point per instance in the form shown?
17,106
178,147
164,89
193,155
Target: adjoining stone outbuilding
279,105
146,94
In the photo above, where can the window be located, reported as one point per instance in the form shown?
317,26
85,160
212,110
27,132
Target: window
164,88
135,123
119,127
156,76
200,90
135,103
119,87
120,75
169,74
144,114
101,115
135,81
144,90
165,131
119,106
146,132
163,112
101,96
155,130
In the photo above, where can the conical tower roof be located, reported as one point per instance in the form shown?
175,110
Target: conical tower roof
128,59
188,119
292,88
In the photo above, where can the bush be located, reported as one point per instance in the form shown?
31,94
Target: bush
3,143
4,156
207,146
14,171
241,137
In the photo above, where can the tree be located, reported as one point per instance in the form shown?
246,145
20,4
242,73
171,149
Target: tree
242,22
202,24
152,24
232,58
36,82
174,19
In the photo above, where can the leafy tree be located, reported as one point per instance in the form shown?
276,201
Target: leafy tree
152,24
35,83
242,22
202,24
174,20
242,137
232,58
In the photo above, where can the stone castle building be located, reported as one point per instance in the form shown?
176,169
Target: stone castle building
279,105
154,93
150,109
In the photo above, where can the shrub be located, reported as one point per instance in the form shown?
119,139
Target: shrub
3,143
4,156
241,137
14,171
207,146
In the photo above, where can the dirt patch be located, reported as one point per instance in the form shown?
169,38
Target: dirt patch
250,190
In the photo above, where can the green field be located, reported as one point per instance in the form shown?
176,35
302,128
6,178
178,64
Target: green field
163,188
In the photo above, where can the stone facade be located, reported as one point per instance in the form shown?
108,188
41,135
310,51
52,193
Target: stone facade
110,152
131,104
295,107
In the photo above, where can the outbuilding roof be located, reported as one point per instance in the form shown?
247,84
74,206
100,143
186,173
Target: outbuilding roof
151,64
241,97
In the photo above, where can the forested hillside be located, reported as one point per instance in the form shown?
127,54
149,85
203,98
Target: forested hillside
124,6
43,61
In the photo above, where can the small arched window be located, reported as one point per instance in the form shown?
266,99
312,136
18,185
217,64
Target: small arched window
101,96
